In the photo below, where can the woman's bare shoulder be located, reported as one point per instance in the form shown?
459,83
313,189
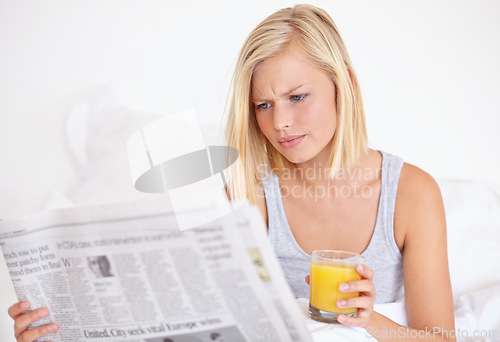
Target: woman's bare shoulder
418,202
416,185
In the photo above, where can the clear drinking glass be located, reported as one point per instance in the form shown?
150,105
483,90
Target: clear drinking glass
329,269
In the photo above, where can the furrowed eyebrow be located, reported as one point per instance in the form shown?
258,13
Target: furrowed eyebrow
284,94
292,90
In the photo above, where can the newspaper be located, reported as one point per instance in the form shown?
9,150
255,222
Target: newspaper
124,272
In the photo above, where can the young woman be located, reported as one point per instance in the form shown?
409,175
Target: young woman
297,119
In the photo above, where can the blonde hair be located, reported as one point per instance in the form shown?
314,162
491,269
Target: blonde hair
313,31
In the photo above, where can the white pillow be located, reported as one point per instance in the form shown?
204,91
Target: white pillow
473,221
97,129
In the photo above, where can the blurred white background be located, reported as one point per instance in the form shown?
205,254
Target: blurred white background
428,70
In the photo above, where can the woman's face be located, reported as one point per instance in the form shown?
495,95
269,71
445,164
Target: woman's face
295,107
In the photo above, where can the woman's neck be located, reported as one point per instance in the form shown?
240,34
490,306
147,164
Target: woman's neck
316,172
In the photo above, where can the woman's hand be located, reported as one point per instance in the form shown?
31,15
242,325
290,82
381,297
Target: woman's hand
23,319
364,302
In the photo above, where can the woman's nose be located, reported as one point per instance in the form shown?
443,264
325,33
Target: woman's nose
282,118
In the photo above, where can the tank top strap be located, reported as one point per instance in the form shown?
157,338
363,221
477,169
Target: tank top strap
279,232
270,185
383,235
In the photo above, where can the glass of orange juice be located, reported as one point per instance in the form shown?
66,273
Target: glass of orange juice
329,269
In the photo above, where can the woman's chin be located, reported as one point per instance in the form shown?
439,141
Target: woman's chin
296,159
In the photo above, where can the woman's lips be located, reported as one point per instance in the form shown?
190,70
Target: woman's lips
291,141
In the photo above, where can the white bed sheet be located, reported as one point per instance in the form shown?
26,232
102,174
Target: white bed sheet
477,318
323,332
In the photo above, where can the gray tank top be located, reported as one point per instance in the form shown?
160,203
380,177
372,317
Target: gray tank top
382,254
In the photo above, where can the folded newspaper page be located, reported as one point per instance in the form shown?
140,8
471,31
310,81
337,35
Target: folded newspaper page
124,272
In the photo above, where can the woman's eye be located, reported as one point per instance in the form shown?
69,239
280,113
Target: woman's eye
263,106
297,98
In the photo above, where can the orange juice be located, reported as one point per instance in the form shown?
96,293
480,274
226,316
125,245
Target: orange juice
324,285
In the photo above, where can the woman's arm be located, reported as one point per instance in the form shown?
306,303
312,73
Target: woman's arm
420,217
